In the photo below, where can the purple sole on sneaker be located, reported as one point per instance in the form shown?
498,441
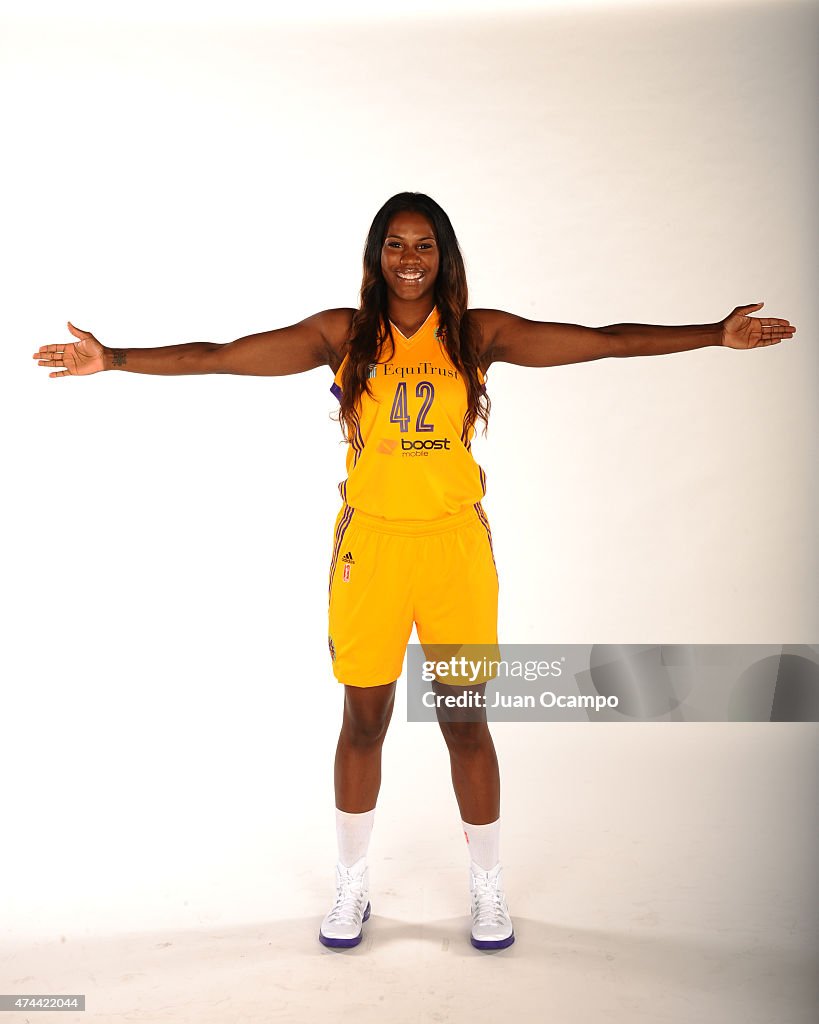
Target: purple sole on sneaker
344,943
493,943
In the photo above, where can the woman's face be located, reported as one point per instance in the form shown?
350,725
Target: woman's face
409,257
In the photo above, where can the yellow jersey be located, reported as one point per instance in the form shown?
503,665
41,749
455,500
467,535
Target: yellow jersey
410,457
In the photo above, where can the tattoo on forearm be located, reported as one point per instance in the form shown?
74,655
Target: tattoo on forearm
119,357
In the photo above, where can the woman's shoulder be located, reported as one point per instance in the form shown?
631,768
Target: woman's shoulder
488,318
334,325
488,322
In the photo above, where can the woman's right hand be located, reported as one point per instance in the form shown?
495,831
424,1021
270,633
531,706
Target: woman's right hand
75,358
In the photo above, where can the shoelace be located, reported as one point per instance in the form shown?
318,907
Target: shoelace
488,905
347,908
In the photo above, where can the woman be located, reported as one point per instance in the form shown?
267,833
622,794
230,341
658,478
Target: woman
411,541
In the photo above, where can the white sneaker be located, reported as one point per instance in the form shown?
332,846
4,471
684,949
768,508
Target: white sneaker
342,925
491,923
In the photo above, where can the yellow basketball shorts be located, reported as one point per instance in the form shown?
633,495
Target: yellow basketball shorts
387,574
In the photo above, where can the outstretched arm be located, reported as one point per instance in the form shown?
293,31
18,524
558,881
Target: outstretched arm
316,341
512,339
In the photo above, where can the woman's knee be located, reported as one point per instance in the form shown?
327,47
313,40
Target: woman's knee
367,713
465,737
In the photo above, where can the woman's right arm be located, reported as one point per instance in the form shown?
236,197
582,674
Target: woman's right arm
316,341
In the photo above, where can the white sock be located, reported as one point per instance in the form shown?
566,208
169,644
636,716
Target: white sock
353,832
483,842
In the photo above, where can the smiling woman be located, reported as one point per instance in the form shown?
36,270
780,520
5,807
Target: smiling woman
412,264
412,543
410,259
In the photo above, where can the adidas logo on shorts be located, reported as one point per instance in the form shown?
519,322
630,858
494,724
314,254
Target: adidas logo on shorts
348,560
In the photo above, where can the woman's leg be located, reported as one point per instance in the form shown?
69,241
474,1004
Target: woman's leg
367,714
476,780
474,767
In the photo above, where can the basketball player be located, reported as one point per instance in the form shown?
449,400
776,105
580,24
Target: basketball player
412,542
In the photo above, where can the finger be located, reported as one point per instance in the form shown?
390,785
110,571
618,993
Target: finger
749,306
778,332
769,321
61,373
51,362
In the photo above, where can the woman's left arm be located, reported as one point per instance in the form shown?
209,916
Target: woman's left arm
512,339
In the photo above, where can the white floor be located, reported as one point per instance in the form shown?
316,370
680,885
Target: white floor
661,873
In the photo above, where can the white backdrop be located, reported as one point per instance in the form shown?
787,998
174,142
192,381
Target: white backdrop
171,714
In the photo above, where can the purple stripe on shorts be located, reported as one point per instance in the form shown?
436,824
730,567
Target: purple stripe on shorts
341,529
482,516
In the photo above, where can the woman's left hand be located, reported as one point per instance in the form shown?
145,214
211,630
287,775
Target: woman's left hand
742,331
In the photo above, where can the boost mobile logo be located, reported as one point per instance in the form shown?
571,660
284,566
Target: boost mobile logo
425,446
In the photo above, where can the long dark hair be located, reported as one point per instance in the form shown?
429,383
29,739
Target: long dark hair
371,324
